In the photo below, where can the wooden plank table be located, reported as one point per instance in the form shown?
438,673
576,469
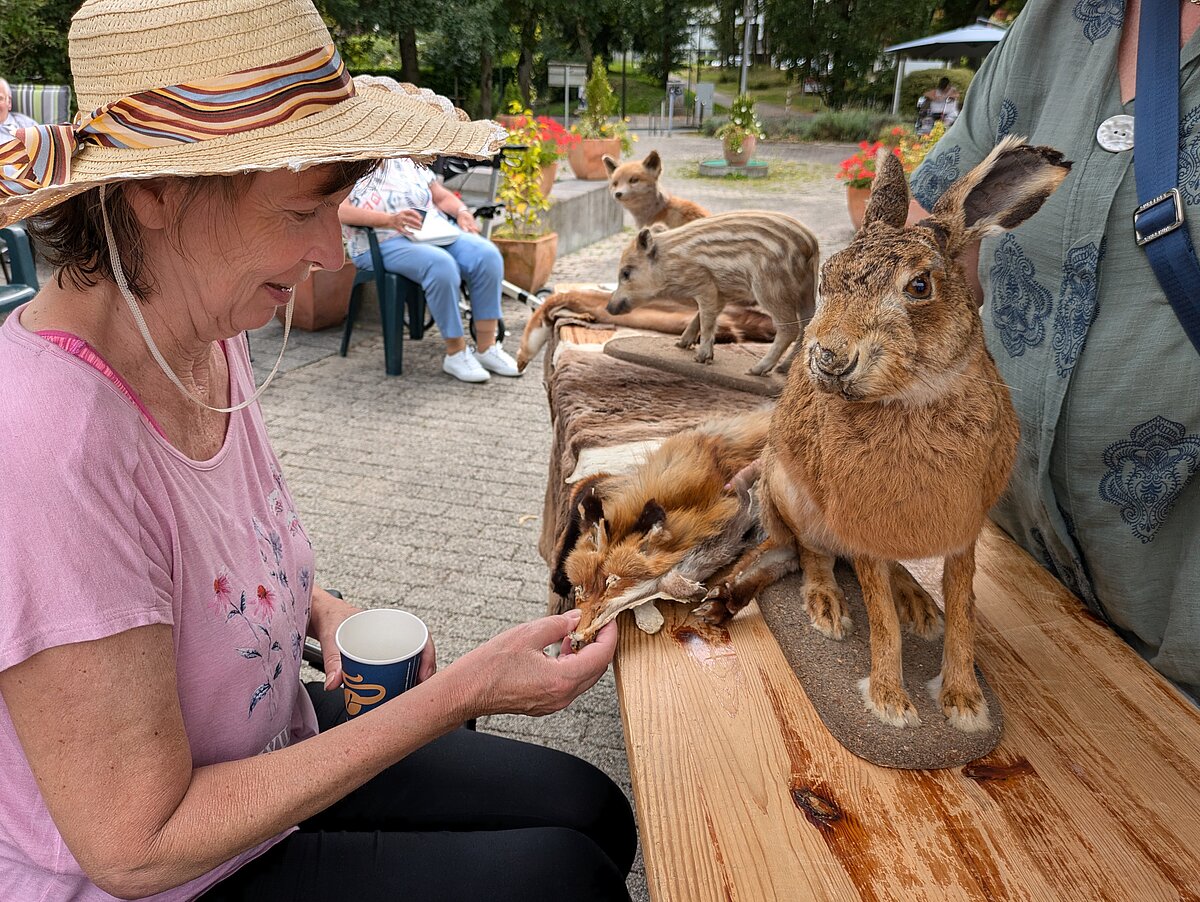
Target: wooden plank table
741,793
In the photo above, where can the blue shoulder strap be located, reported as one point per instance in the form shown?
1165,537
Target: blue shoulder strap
1158,223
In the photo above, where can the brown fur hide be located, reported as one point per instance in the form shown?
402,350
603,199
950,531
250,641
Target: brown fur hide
737,322
597,401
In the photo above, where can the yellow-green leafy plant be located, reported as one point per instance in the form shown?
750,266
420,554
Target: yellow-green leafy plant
520,185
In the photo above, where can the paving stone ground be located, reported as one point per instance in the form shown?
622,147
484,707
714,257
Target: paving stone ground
424,493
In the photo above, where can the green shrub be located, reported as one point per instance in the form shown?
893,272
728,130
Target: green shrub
848,125
788,128
917,83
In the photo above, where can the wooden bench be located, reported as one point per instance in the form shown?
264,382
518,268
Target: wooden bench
742,794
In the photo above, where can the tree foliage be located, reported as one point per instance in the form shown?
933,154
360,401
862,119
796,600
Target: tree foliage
33,40
838,42
660,33
471,50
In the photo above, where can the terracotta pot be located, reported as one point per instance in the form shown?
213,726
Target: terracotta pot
322,299
740,159
587,157
528,261
549,174
856,202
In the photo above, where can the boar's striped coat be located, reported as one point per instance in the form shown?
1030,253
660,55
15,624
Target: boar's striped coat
748,256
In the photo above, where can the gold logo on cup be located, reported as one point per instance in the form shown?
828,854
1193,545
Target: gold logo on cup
355,699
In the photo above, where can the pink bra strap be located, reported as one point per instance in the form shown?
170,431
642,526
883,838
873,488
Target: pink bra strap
77,347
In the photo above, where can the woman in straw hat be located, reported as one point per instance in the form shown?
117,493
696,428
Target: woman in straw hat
155,582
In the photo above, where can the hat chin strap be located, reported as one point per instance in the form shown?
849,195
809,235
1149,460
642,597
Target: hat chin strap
131,301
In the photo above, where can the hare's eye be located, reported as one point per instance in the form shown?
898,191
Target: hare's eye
919,287
633,181
625,272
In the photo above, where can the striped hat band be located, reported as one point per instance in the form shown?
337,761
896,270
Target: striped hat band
295,88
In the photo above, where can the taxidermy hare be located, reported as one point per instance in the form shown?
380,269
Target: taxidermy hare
896,435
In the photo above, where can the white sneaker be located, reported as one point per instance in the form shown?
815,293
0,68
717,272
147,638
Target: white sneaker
495,360
465,367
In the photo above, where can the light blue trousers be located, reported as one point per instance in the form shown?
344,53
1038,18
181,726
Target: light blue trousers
441,270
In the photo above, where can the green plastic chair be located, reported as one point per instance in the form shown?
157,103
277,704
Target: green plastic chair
23,280
396,294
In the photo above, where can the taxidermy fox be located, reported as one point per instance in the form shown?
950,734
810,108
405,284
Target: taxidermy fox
668,525
634,185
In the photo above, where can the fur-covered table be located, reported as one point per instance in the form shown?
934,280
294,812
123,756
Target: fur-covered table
741,792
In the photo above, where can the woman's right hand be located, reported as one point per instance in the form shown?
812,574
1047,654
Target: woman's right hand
406,221
511,674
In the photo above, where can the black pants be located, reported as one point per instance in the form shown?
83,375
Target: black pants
468,817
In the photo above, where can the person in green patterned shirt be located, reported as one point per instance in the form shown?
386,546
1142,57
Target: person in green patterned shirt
1103,377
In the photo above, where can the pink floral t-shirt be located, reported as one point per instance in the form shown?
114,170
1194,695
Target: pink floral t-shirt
104,527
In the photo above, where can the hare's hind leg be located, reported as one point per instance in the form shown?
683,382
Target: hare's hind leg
956,688
883,691
918,611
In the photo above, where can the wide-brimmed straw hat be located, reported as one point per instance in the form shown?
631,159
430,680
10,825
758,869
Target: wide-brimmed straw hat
215,87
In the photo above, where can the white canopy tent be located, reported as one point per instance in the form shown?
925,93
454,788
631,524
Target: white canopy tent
974,41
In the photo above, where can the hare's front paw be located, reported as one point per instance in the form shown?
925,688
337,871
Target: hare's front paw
964,706
917,610
759,369
704,354
889,702
826,609
685,341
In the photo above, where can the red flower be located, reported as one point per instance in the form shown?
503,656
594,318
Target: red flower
264,603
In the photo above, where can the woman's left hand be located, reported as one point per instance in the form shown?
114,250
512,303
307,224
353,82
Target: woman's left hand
328,612
466,221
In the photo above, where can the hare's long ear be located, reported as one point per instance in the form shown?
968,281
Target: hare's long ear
999,194
609,163
889,192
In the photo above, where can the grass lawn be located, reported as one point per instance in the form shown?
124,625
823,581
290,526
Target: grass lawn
783,173
765,85
642,95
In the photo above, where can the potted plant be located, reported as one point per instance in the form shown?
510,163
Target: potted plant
555,143
597,134
739,136
528,249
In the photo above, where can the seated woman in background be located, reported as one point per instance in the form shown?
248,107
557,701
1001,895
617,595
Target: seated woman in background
395,201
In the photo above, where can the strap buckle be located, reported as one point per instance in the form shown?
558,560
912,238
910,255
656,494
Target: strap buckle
1158,224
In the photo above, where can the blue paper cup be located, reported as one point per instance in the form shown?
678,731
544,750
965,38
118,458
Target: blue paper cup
381,654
